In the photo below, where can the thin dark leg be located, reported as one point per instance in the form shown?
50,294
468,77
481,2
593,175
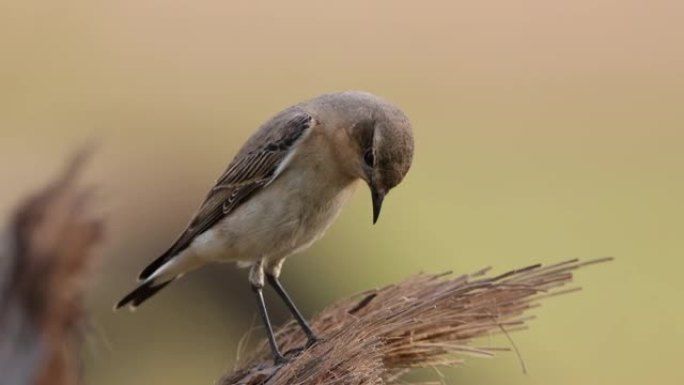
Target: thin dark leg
277,355
293,309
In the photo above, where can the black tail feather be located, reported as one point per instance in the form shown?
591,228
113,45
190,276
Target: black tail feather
141,294
156,264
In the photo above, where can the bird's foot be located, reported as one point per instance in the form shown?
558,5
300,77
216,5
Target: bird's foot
311,342
279,359
294,352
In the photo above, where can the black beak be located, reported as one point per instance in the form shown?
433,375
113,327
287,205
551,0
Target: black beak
378,197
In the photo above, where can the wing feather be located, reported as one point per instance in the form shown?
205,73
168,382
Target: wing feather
257,164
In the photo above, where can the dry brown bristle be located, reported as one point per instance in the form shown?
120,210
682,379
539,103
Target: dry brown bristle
426,320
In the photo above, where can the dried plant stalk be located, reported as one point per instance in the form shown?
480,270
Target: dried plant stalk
426,320
45,254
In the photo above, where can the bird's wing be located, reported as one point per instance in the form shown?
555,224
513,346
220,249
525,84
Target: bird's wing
258,163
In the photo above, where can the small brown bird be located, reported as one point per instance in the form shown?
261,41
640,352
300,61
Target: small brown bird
283,190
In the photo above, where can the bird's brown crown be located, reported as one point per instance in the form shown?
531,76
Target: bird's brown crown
379,130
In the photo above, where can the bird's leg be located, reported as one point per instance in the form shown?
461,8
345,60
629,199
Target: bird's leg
272,276
256,279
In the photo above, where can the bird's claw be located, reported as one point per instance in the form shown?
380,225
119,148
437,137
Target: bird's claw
311,342
280,359
294,352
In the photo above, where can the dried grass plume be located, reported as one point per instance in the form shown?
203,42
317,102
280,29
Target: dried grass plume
45,253
426,320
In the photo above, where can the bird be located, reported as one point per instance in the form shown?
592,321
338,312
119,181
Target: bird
283,189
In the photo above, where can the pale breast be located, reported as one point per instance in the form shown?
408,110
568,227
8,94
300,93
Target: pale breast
286,216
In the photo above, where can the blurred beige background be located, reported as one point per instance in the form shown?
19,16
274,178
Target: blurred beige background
545,131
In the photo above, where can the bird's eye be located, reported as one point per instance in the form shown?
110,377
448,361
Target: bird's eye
369,158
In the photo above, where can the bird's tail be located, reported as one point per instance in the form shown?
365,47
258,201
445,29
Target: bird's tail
141,293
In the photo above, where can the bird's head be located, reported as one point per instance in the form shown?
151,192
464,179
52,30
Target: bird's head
374,139
383,142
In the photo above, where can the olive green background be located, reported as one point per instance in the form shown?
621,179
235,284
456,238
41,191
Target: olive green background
544,131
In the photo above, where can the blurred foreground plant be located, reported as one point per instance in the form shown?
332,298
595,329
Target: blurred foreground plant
45,254
426,320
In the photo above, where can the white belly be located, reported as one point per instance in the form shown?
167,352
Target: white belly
285,217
